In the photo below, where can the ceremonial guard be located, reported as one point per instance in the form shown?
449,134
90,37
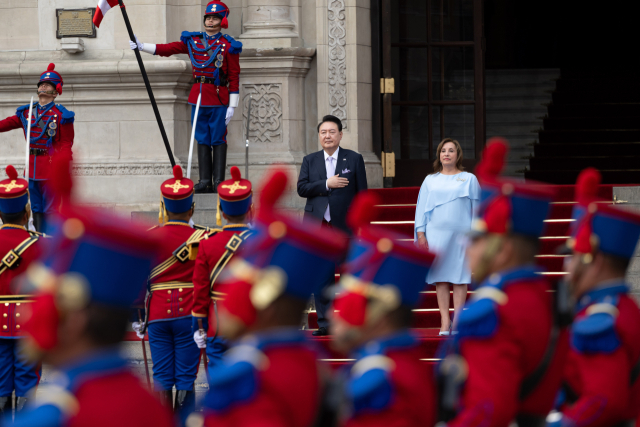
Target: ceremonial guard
51,132
170,296
18,248
213,256
601,374
270,375
88,276
380,284
216,69
505,363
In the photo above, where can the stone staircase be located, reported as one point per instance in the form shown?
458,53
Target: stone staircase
515,108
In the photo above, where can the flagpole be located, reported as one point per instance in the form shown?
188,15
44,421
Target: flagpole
147,84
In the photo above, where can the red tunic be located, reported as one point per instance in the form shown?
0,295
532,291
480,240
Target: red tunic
601,379
498,364
230,67
61,141
118,400
209,254
414,394
172,290
14,314
288,394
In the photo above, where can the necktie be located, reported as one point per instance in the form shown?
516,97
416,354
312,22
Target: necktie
331,171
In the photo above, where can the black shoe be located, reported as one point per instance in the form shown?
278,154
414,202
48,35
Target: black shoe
6,402
205,167
185,401
166,398
219,165
39,221
321,332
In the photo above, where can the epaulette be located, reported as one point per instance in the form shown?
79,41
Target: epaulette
596,332
186,35
480,317
22,108
201,233
236,46
67,116
236,381
369,386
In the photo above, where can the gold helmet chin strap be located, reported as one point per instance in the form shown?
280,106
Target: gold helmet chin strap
493,246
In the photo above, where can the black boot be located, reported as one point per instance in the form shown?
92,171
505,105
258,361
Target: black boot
205,167
39,221
185,402
5,404
219,164
166,398
20,402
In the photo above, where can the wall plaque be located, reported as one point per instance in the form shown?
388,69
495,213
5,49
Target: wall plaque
75,23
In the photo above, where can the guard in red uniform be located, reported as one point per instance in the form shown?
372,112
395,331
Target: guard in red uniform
505,363
88,276
270,375
216,68
170,296
18,248
51,132
213,256
381,282
601,374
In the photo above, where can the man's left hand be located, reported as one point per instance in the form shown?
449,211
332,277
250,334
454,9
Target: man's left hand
230,111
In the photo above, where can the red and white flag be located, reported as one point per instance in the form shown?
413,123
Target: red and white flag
104,6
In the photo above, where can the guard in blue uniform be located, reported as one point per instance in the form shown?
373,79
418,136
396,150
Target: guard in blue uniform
18,248
87,277
51,133
215,58
601,385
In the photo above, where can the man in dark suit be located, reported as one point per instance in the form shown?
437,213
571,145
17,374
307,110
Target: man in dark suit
329,180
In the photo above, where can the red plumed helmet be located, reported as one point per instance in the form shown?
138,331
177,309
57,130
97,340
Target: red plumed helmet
498,215
51,67
42,326
587,184
237,301
362,210
177,172
272,189
493,158
235,173
11,172
351,307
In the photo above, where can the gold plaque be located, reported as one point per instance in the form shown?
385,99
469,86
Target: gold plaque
75,23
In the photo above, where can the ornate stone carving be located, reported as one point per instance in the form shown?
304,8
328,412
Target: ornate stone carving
265,123
337,60
101,169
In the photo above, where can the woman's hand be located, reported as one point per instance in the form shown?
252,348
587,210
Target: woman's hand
422,241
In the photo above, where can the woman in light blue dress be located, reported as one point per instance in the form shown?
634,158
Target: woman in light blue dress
446,206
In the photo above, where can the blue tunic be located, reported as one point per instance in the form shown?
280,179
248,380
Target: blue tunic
446,206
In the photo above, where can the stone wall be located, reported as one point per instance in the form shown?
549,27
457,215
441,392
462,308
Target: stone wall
119,154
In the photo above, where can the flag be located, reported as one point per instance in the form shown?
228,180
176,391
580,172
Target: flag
103,7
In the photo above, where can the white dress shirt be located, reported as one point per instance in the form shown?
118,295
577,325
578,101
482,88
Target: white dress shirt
330,162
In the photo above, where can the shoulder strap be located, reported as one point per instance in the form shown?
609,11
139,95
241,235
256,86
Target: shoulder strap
231,248
181,254
12,258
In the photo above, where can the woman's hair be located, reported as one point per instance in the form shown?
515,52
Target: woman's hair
437,166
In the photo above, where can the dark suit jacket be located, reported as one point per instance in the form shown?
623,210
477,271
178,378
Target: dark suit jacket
312,186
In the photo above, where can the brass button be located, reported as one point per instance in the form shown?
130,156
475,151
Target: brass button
17,314
169,291
168,300
168,311
17,326
6,304
180,290
182,309
179,299
18,304
4,315
4,326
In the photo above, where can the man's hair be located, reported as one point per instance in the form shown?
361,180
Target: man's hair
525,247
14,218
332,119
617,263
235,218
106,325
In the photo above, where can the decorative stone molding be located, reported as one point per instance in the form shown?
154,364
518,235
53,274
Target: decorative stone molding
265,123
113,169
337,60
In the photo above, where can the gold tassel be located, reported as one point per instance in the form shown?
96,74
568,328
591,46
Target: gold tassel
162,214
218,216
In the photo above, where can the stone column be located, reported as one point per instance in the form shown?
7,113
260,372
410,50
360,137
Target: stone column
344,75
270,19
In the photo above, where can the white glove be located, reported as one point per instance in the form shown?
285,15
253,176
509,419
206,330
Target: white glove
137,327
143,47
230,111
200,339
